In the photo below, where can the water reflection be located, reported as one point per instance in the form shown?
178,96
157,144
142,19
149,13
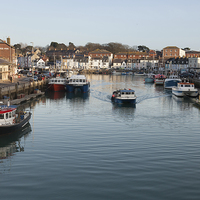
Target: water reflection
77,96
183,102
55,95
10,144
124,112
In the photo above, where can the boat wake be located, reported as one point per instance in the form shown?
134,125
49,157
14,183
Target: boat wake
150,96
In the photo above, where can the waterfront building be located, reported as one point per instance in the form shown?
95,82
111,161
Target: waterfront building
194,64
190,54
172,52
5,70
177,64
99,58
7,52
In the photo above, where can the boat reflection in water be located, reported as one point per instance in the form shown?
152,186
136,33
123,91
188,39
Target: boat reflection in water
11,143
78,96
55,95
124,112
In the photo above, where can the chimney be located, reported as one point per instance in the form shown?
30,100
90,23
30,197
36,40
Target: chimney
8,40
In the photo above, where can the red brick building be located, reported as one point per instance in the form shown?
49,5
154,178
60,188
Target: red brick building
172,52
131,55
100,53
190,54
7,52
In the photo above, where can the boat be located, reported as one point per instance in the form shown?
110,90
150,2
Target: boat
123,73
57,83
11,120
122,96
140,74
171,82
78,82
185,89
116,73
159,79
149,78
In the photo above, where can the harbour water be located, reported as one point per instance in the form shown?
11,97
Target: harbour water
84,147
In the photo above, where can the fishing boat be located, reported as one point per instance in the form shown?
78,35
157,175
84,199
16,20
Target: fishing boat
57,84
11,120
122,96
150,78
78,83
171,82
159,79
185,89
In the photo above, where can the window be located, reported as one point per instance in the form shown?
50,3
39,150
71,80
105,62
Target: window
6,115
1,116
166,50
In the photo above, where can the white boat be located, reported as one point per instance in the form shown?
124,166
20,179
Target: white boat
185,89
11,120
159,79
78,82
172,81
122,96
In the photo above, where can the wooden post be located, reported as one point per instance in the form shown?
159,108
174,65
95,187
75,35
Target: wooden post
0,93
16,90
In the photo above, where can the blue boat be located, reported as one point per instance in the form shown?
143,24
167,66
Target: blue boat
124,96
150,78
171,82
78,83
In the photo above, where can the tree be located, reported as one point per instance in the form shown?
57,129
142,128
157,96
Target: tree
54,44
186,49
143,48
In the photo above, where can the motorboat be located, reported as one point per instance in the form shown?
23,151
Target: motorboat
185,89
150,78
171,82
159,79
78,82
122,96
11,120
57,83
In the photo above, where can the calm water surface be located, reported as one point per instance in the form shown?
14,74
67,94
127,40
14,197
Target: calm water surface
84,147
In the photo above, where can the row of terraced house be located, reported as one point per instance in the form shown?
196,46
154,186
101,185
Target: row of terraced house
170,57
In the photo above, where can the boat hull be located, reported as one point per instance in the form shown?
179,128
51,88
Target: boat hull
170,83
56,87
159,81
124,101
82,88
180,93
149,80
7,129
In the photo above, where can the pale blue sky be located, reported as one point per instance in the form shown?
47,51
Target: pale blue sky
154,23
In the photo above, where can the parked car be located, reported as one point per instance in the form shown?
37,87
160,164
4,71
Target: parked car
35,78
29,74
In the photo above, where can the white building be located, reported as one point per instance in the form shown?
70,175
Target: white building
194,63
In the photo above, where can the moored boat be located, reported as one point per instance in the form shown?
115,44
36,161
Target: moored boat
78,82
57,84
149,78
122,96
159,79
11,120
171,82
185,89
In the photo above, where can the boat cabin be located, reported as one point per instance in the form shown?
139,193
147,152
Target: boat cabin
57,80
186,85
7,115
77,79
124,93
